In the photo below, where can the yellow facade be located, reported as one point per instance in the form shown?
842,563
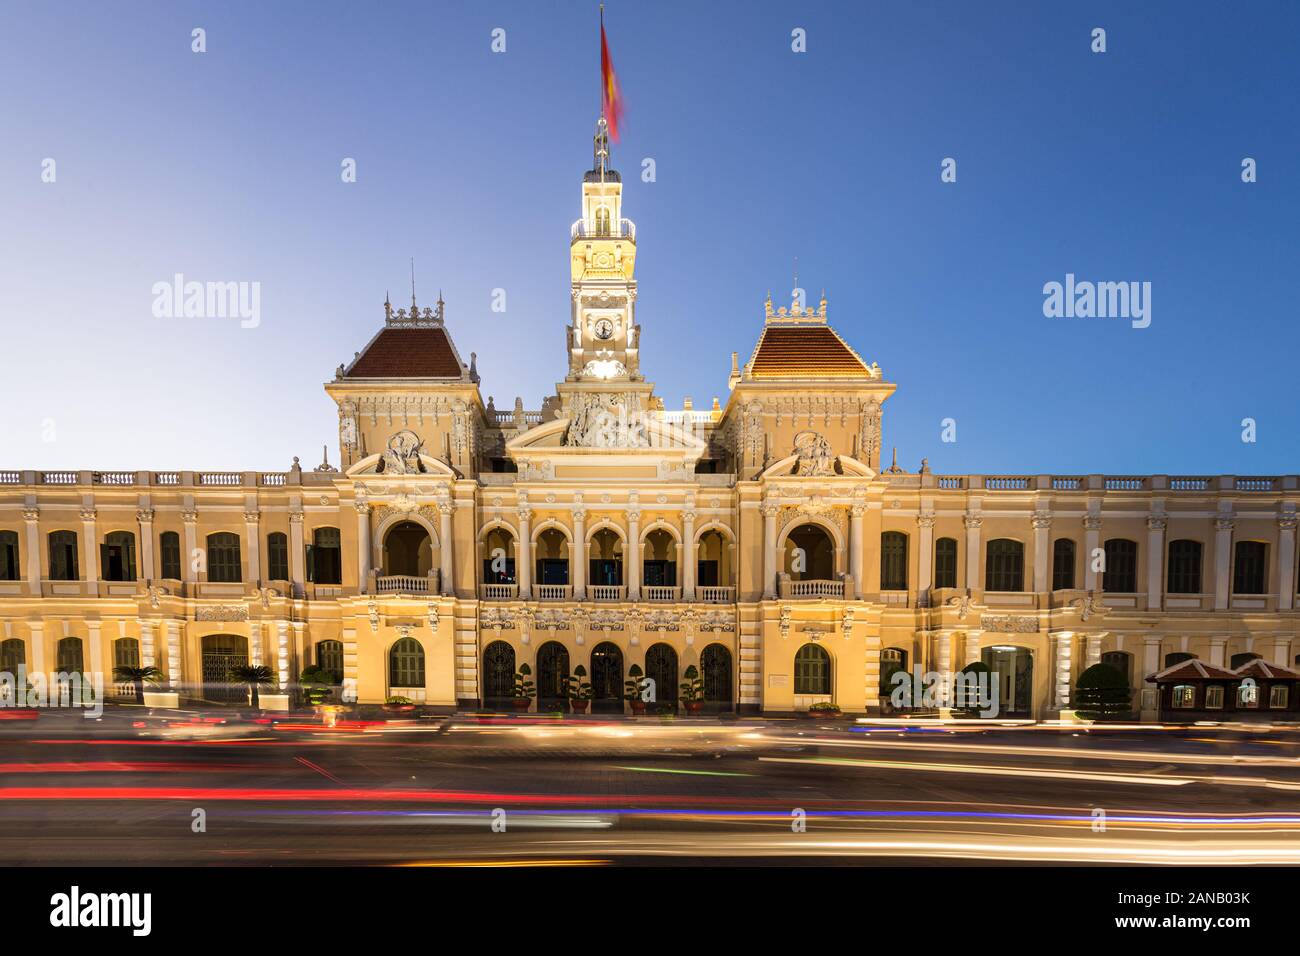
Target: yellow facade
604,530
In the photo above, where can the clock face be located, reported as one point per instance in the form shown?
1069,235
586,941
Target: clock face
604,329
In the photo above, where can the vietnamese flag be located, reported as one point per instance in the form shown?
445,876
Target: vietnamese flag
611,102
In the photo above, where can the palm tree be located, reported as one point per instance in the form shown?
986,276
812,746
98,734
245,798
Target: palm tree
255,676
138,676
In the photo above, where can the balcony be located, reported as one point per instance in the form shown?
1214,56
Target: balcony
554,592
580,230
498,592
606,592
716,595
661,594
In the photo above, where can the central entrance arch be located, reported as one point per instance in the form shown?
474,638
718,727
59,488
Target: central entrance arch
408,550
1015,669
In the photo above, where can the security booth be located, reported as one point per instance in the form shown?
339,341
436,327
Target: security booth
1267,692
1194,690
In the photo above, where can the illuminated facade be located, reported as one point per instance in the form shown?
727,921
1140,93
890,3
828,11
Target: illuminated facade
760,541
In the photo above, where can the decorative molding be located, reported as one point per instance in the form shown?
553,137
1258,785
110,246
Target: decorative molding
221,612
1009,623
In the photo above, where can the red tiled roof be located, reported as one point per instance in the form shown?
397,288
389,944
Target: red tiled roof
806,351
407,353
1260,669
1195,669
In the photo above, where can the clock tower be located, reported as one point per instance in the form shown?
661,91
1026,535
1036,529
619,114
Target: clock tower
603,337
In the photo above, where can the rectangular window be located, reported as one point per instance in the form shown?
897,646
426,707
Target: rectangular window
893,561
1183,697
1278,696
1184,567
9,556
223,558
1214,697
63,556
1004,565
1121,566
945,563
169,546
1063,565
1250,571
277,556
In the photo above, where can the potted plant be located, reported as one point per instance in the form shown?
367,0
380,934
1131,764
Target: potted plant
692,687
316,684
522,692
398,704
138,676
255,676
823,709
633,687
579,690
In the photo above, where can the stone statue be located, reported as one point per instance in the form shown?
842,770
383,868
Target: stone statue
402,456
814,453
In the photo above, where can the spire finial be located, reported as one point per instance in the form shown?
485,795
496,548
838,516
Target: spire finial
413,309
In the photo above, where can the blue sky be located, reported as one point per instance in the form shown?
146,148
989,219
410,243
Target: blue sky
225,166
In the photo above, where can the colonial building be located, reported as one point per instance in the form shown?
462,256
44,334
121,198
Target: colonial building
759,540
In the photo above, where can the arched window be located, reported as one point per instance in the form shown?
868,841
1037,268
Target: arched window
324,557
9,556
659,559
892,660
661,668
329,657
1250,568
1063,564
602,221
169,552
1004,565
277,556
1184,575
117,556
1122,661
498,675
893,561
1177,657
13,653
812,670
945,563
552,676
63,556
552,561
499,559
223,557
70,659
408,550
406,664
715,671
1121,566
126,652
605,566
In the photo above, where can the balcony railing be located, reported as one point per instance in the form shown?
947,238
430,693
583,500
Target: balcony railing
406,583
554,592
606,592
660,593
716,595
626,229
498,592
812,589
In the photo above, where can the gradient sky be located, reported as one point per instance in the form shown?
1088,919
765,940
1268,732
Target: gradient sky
225,166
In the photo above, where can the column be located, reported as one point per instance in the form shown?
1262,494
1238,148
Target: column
282,652
297,573
1091,537
973,647
1094,649
632,553
687,555
95,651
37,663
90,551
1042,522
1064,666
33,556
770,565
1286,582
853,589
148,657
579,563
189,570
1156,523
363,544
254,547
1223,526
1281,650
524,553
944,655
973,522
174,656
145,572
1148,693
924,553
446,548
